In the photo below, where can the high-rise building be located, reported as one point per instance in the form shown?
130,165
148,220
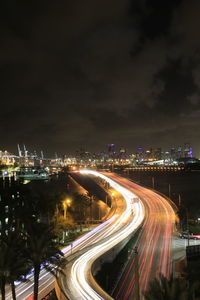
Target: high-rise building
122,152
158,154
173,154
187,150
10,204
149,155
139,155
179,152
111,150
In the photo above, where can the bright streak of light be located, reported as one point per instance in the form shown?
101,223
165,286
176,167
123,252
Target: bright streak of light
101,232
89,234
154,244
124,225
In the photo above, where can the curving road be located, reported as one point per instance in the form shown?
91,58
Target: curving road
154,243
79,282
121,207
24,290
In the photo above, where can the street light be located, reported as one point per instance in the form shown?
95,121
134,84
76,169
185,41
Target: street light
66,203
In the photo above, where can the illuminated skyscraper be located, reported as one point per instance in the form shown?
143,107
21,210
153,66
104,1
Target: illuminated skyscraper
111,150
187,150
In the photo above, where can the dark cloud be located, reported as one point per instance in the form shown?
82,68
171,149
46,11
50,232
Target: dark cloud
154,16
179,87
90,72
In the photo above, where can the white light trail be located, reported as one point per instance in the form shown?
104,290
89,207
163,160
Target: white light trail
101,232
124,225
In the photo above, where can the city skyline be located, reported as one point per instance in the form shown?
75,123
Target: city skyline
96,72
23,151
99,149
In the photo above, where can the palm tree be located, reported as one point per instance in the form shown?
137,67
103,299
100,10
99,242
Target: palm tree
167,289
48,195
3,268
42,250
80,204
195,290
63,225
13,264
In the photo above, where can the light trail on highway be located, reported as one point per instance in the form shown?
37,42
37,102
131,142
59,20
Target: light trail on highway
80,283
25,289
46,284
154,243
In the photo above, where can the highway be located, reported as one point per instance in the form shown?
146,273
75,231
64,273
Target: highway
128,212
123,207
78,283
25,289
154,243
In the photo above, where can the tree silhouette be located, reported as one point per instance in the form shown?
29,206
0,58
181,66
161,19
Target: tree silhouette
167,289
79,205
62,225
13,263
42,250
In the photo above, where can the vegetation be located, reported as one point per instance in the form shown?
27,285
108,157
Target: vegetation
42,250
194,228
34,222
81,202
172,289
167,289
14,265
62,227
193,275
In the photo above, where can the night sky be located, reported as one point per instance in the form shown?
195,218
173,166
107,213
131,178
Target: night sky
85,73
